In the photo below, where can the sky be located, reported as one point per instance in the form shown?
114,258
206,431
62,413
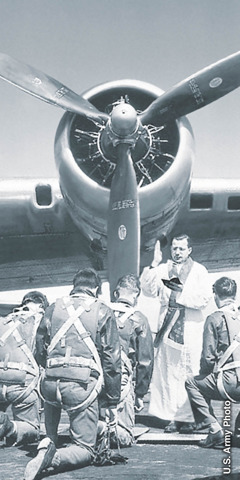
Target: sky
83,43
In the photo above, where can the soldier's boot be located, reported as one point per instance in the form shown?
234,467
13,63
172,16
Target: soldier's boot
43,460
212,440
7,427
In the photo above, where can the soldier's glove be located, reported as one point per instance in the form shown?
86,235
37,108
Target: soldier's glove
139,405
111,417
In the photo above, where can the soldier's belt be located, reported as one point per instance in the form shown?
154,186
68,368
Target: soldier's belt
72,362
17,366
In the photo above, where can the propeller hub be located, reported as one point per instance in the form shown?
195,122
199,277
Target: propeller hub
124,120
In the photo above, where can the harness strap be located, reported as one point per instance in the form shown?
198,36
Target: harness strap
223,366
58,393
31,358
72,362
13,330
126,315
235,343
125,309
27,391
75,320
14,324
127,312
38,317
5,362
24,347
231,365
92,347
90,344
67,355
17,366
4,392
8,332
65,327
222,389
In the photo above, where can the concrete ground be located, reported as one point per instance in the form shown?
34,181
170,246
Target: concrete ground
156,456
145,462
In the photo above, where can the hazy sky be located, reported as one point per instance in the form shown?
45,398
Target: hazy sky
86,42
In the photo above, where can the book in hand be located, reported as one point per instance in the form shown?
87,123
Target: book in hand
174,284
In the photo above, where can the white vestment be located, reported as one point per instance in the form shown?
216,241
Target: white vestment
173,361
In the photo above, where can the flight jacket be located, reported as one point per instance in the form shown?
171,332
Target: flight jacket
100,322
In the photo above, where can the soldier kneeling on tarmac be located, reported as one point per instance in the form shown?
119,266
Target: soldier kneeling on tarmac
19,371
137,356
219,377
83,349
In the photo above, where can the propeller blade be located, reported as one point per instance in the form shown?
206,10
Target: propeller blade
123,220
46,88
195,92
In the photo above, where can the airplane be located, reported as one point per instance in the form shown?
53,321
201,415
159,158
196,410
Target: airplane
124,151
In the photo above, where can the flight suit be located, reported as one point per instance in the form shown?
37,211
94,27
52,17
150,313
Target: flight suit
137,365
72,374
215,383
19,374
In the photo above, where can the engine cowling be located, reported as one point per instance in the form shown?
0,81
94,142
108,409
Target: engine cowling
86,160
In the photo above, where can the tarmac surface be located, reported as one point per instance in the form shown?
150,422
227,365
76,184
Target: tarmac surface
145,462
155,456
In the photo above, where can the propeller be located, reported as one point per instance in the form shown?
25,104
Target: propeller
122,131
46,88
195,92
123,219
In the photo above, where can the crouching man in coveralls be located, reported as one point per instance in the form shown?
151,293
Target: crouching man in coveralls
219,377
137,357
19,371
83,349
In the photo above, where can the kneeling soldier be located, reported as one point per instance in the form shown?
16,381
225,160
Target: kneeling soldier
19,371
137,357
219,377
83,348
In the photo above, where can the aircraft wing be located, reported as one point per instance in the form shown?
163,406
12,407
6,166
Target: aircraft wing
212,220
39,243
124,152
41,247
